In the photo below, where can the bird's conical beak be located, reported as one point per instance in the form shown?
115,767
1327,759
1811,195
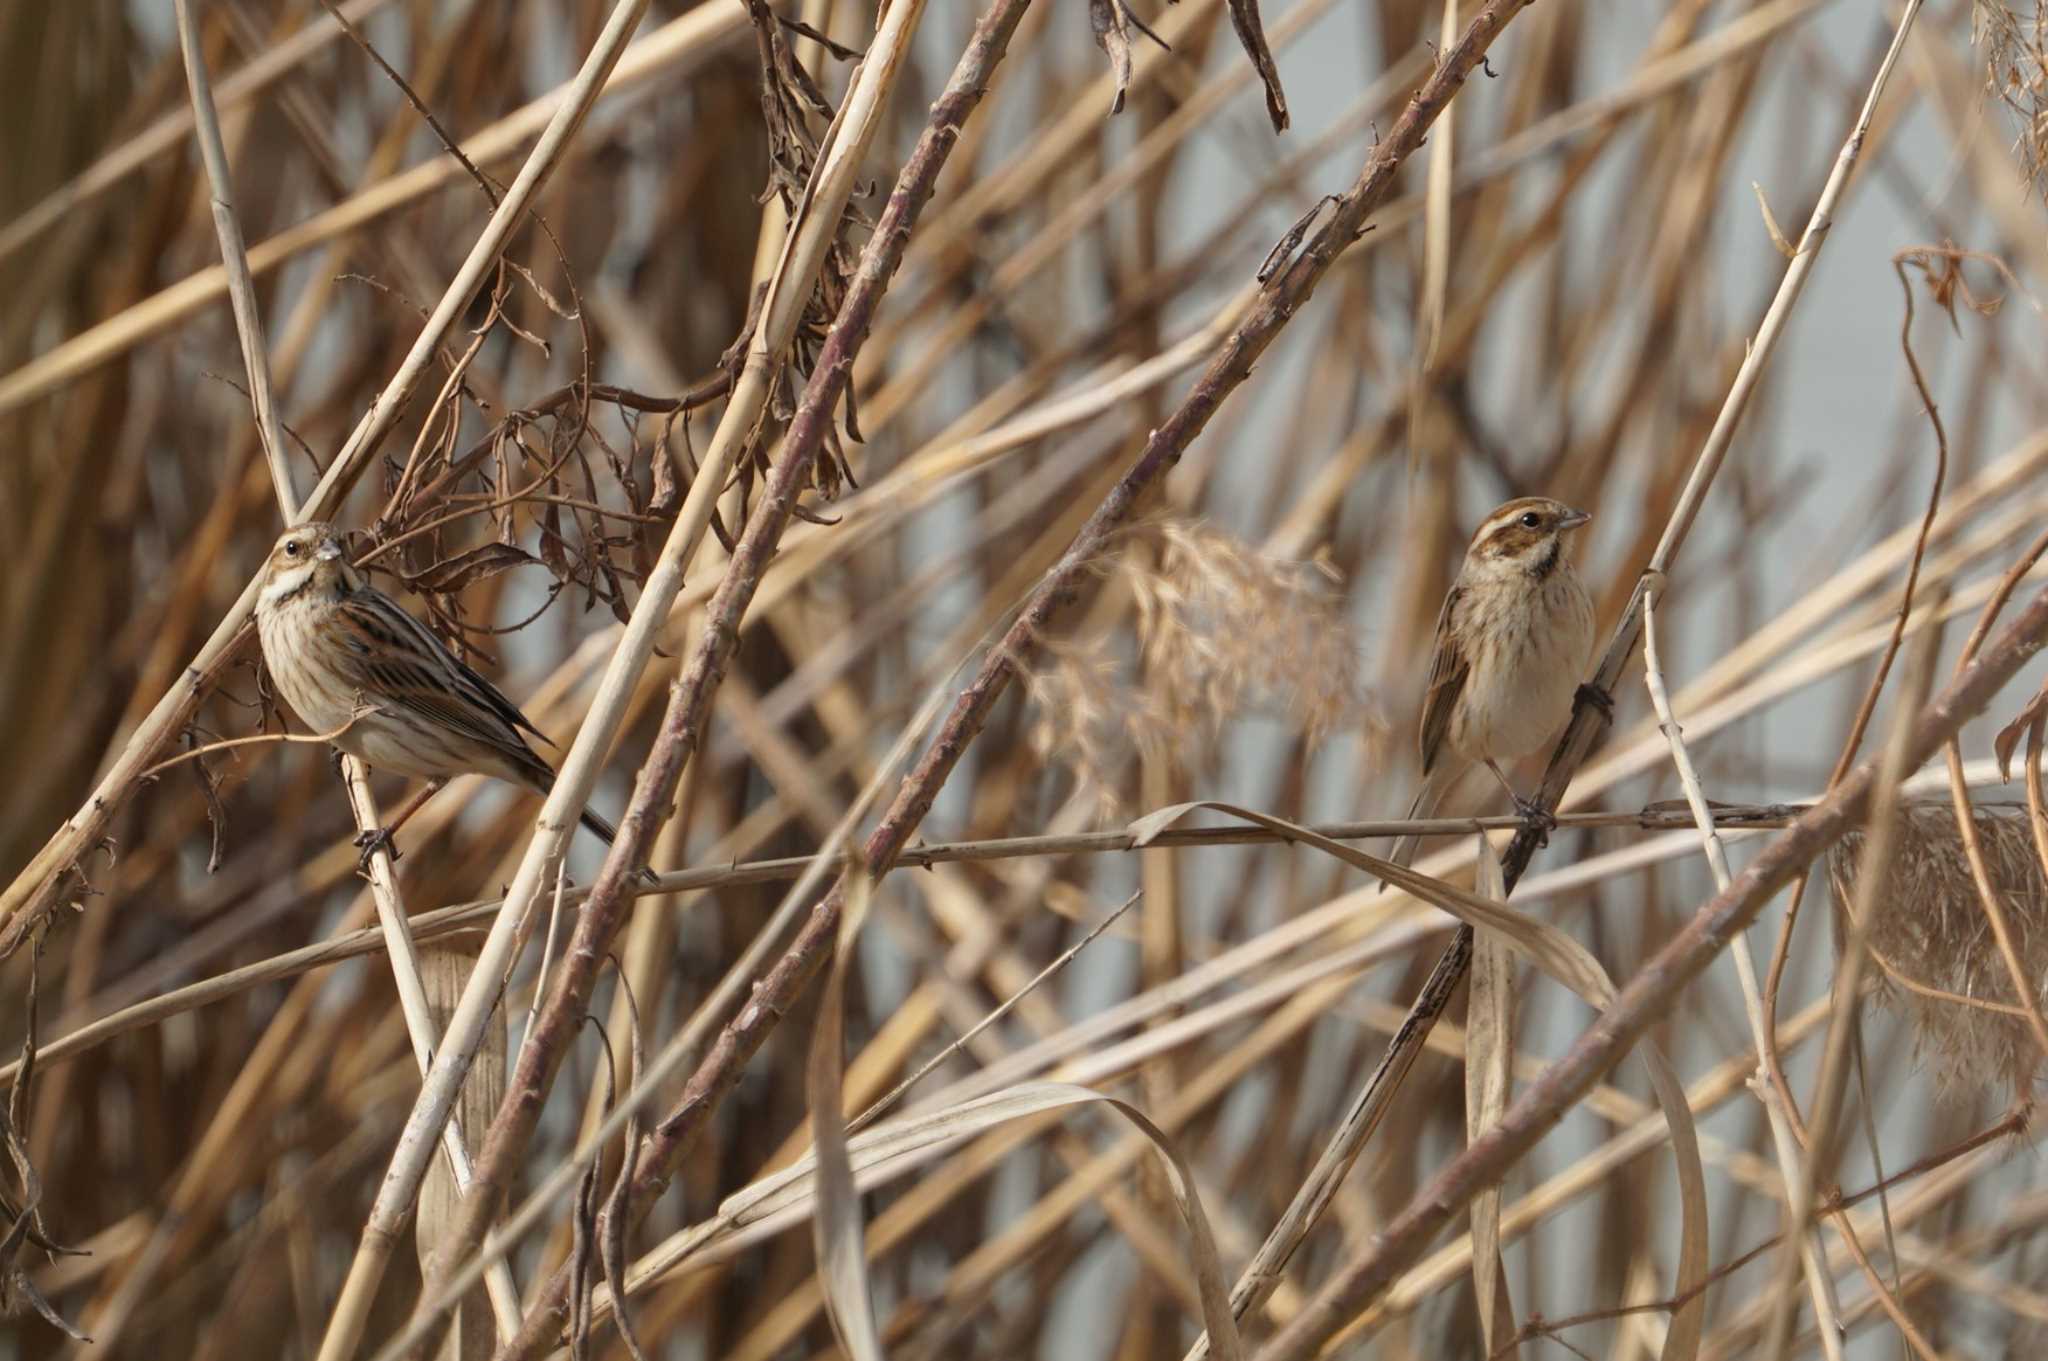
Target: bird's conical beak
328,552
1572,519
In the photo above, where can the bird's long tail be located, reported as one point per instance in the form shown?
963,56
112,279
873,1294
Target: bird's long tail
608,834
539,775
1427,798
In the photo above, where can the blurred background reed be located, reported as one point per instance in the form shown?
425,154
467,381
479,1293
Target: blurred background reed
1605,246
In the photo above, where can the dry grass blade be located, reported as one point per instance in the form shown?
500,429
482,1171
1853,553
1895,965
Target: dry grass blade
889,1098
1542,944
1312,1199
893,1148
1489,1077
1793,1162
836,1223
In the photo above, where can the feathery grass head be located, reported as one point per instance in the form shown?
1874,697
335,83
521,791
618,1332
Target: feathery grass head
1929,935
2015,47
1222,629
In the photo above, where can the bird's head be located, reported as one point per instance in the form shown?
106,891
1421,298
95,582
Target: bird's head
1526,534
308,556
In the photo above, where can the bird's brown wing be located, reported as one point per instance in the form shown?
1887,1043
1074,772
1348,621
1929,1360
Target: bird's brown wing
405,665
1447,672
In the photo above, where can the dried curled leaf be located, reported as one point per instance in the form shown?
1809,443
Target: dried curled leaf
466,569
1113,22
1251,31
2009,736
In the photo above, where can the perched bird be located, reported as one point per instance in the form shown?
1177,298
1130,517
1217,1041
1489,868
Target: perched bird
1513,639
341,650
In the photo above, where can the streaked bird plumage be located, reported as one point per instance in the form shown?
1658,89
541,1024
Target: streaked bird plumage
1513,641
339,649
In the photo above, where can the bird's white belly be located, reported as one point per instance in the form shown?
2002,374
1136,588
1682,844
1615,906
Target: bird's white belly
377,735
1521,689
323,708
1509,721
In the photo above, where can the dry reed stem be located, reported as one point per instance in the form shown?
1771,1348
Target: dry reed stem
456,1273
1781,950
235,258
1571,749
465,1026
683,38
464,918
1792,1164
825,197
1831,1082
391,912
172,128
394,927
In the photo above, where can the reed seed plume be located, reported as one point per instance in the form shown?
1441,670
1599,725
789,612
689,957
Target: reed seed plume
2014,44
1221,630
1930,935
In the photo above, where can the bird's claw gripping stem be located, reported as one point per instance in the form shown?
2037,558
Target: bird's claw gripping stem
372,840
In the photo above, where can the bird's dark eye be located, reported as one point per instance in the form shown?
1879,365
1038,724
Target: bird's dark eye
291,548
1531,518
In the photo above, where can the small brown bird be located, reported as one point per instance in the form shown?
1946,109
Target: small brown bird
1513,639
340,649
